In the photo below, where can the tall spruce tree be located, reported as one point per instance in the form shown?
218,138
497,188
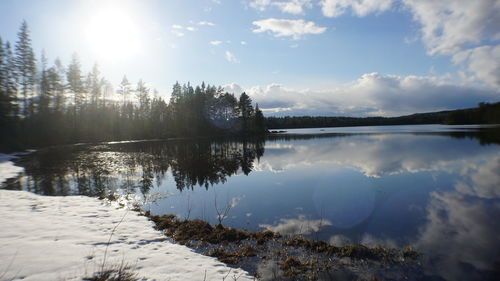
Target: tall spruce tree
95,85
142,94
26,68
10,83
55,76
8,92
75,82
4,95
260,121
44,86
246,109
124,89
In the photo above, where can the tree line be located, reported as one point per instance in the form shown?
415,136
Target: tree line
485,113
43,105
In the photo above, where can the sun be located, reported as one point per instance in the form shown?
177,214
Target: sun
112,34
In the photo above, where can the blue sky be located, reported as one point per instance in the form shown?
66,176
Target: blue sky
294,57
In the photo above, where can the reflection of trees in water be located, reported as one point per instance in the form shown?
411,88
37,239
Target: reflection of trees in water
135,167
206,163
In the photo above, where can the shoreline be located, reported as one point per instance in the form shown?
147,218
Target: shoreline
74,237
69,238
292,257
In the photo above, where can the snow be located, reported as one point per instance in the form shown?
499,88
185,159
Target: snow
7,168
66,238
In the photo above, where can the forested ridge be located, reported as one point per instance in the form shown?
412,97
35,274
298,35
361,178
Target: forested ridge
42,105
485,113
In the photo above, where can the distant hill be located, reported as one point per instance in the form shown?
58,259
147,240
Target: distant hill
485,113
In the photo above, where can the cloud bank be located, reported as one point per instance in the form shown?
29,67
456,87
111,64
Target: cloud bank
371,94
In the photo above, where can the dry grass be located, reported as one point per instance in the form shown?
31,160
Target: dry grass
115,273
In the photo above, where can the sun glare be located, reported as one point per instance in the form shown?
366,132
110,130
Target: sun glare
112,34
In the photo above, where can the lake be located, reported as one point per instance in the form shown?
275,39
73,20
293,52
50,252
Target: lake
432,186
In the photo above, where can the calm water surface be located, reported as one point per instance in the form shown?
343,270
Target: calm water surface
434,187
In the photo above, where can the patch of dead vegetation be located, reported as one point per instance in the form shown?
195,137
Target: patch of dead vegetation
298,258
114,273
232,257
189,230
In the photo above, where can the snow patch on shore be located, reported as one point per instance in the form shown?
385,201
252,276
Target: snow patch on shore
65,238
7,167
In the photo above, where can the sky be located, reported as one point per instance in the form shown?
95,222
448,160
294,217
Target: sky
293,57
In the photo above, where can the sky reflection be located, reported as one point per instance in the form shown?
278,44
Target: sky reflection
434,191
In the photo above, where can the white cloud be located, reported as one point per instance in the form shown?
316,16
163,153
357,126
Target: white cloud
180,27
372,94
295,7
178,30
243,42
234,88
483,63
285,27
260,5
460,29
207,23
466,30
335,8
216,42
230,57
177,33
447,26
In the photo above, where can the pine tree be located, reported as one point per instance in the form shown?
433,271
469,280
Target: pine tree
55,76
4,95
26,68
106,90
44,86
10,82
124,89
75,82
142,93
246,109
8,92
260,122
95,85
176,93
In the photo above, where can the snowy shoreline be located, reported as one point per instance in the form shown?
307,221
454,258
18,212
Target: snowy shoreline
65,238
7,168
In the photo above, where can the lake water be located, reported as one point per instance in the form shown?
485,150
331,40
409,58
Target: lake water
434,187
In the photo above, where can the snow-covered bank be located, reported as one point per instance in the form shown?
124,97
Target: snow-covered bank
65,238
7,167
